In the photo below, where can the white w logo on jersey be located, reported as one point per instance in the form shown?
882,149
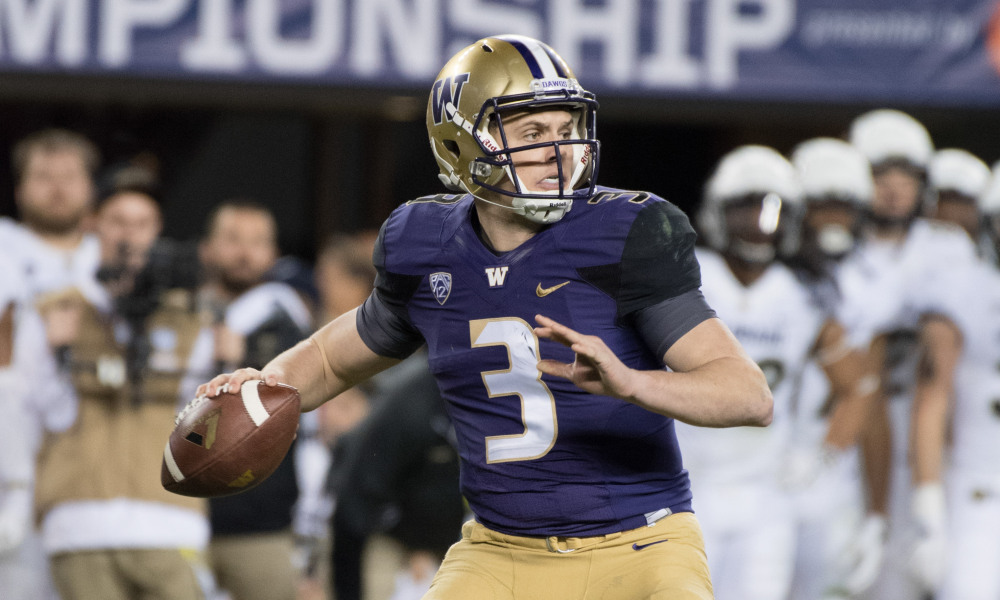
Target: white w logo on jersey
496,275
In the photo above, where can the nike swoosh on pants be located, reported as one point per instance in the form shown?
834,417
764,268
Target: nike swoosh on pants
641,546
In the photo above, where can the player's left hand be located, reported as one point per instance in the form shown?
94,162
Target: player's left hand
596,369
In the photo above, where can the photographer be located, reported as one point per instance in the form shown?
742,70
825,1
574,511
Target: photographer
254,534
129,344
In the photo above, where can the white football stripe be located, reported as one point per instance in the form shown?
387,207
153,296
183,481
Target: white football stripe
251,401
168,458
541,56
548,68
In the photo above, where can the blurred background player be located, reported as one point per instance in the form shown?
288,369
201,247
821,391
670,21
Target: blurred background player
919,352
840,539
130,345
397,474
958,183
345,277
749,218
394,475
50,250
344,273
252,550
969,428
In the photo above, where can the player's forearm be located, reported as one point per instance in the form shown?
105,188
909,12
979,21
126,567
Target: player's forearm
930,418
876,447
301,366
726,392
942,347
329,362
847,419
854,383
320,367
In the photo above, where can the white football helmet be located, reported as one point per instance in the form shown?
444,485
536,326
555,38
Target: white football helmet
958,171
989,201
744,173
833,170
989,208
475,89
887,135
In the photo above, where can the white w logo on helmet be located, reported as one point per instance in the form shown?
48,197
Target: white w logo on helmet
446,91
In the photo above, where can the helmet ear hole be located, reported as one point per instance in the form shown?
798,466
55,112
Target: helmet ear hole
452,146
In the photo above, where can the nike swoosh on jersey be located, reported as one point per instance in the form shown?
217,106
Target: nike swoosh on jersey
641,546
542,292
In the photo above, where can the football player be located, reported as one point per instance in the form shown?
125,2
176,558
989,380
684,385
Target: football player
959,181
968,428
921,348
565,422
839,549
749,216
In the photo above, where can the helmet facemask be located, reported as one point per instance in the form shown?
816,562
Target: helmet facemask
757,241
574,155
906,175
831,226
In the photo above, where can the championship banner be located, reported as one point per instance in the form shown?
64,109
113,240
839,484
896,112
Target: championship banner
920,51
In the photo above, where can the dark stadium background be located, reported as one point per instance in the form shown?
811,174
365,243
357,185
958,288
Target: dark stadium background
339,159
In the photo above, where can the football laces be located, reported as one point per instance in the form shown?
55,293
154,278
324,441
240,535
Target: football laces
191,406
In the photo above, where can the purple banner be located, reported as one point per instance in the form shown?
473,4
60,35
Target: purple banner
940,52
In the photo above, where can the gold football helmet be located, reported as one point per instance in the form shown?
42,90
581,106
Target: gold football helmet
498,76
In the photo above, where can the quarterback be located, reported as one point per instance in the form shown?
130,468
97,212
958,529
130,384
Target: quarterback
565,422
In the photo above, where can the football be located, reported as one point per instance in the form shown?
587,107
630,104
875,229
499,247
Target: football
232,442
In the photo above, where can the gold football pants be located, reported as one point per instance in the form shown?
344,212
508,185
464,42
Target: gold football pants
665,561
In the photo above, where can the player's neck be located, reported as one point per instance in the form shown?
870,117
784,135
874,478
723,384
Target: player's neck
893,234
500,229
747,273
63,241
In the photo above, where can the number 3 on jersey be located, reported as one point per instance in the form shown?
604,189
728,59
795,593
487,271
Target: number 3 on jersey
522,379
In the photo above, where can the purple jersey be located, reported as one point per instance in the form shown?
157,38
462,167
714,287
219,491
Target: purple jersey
540,456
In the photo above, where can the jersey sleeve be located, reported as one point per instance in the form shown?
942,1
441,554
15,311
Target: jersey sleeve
941,287
662,324
383,320
658,262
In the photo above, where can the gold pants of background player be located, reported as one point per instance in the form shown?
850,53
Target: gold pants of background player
126,575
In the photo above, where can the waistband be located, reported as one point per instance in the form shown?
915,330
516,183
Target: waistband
476,531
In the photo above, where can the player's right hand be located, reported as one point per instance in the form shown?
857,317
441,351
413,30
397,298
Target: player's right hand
232,381
595,369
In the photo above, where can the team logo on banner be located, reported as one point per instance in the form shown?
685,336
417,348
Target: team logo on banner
441,286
